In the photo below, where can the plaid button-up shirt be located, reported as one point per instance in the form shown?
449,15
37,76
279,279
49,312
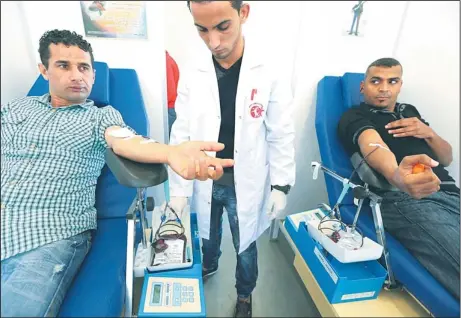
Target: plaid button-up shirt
51,159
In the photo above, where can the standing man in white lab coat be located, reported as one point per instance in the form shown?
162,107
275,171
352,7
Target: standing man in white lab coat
236,96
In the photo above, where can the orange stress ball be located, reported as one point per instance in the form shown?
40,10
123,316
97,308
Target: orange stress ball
418,168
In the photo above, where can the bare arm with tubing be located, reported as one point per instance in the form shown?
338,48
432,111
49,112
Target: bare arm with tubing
384,161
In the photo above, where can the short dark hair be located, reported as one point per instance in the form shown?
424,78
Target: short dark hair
384,62
235,4
65,37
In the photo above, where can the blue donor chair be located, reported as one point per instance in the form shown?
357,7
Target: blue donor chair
335,94
104,285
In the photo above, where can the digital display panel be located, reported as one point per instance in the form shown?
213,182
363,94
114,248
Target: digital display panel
156,293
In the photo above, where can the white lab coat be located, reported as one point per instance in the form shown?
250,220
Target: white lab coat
263,147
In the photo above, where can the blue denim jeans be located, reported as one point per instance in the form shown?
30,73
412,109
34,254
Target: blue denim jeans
429,229
246,272
353,22
35,283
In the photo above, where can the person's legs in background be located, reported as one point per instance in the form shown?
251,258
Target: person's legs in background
35,283
171,119
357,25
353,22
429,229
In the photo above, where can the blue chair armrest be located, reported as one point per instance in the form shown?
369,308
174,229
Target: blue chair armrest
370,176
135,174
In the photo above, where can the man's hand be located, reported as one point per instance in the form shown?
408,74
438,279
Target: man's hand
191,162
410,127
413,127
276,205
417,185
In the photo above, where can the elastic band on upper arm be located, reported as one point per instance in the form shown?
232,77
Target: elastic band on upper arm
355,137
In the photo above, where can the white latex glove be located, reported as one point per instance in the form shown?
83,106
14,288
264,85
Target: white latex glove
177,204
276,205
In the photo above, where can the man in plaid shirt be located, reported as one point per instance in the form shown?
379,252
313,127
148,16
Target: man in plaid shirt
52,153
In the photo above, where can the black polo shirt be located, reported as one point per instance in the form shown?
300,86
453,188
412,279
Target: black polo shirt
357,119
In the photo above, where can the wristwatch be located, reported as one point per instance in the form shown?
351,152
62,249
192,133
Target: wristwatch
285,189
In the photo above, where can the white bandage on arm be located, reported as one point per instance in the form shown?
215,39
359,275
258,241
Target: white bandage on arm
121,133
378,145
125,133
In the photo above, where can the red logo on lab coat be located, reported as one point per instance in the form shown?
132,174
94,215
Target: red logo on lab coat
256,110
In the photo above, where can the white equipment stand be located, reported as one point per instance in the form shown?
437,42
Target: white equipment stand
362,193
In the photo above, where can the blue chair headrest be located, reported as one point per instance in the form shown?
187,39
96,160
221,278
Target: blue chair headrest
351,89
99,93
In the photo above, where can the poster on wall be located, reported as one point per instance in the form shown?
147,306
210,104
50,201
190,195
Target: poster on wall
357,11
114,19
369,19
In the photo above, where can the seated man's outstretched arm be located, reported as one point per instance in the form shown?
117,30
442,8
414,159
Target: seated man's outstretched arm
381,160
187,159
384,161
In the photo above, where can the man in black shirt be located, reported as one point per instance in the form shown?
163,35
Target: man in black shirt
424,214
235,95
